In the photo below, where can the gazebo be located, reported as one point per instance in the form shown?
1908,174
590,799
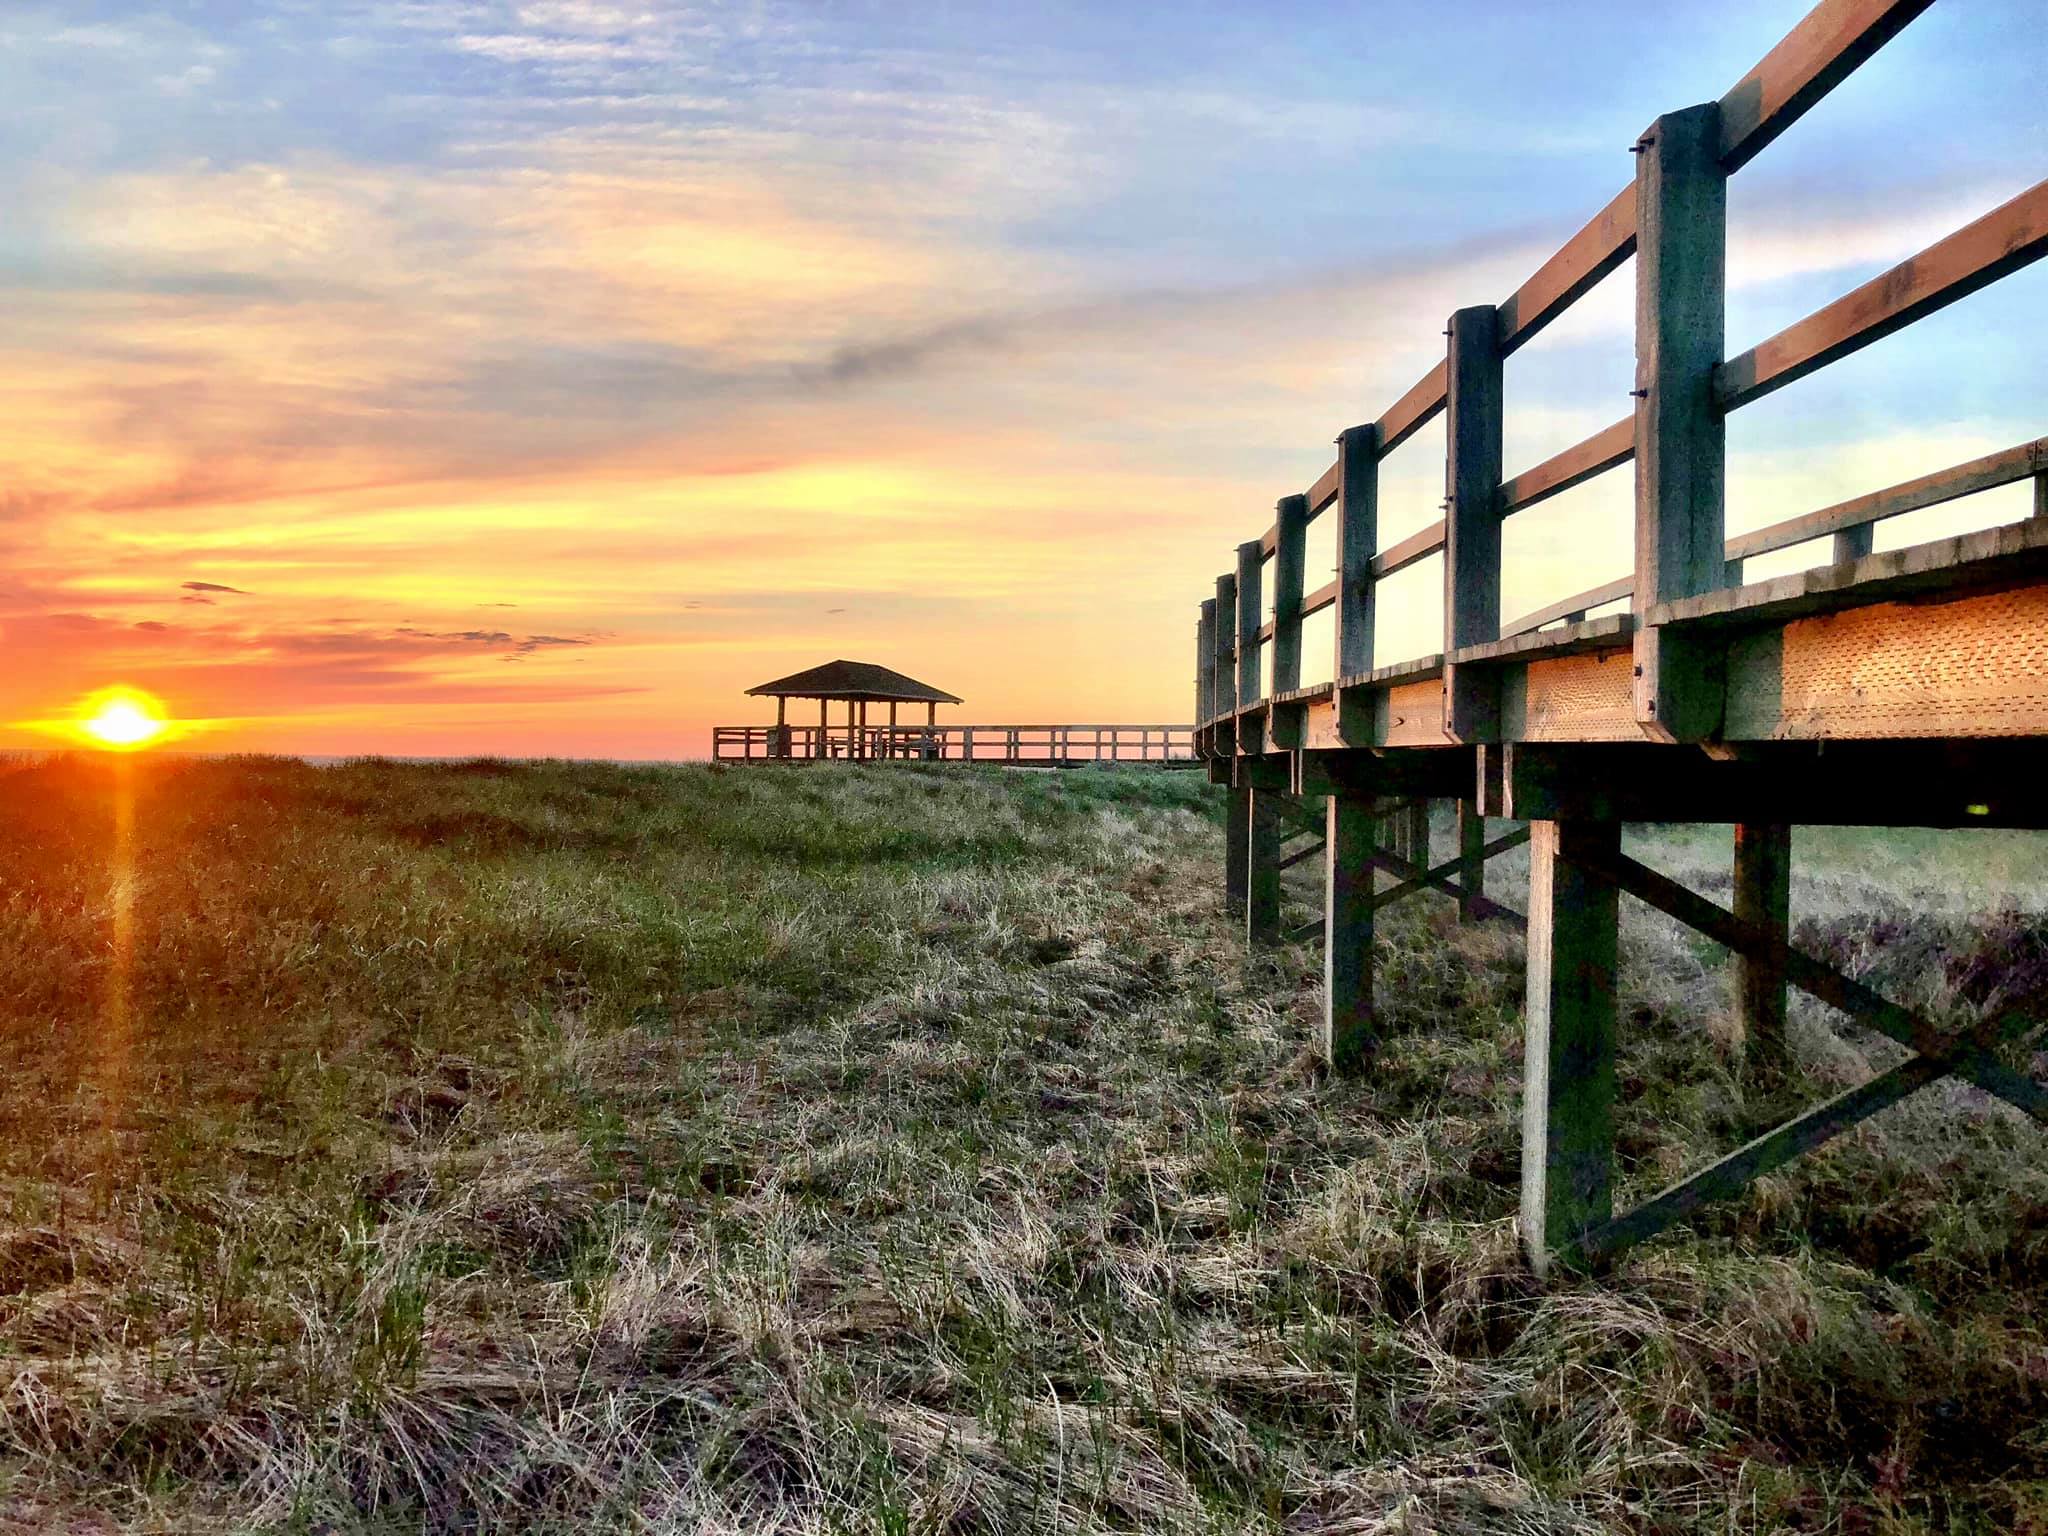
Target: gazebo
859,683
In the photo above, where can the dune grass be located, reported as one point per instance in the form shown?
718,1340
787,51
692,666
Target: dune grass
575,1148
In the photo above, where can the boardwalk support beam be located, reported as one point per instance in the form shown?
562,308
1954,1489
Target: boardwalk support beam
1568,1051
1763,900
1262,869
1352,833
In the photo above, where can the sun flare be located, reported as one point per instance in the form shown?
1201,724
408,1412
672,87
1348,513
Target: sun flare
123,719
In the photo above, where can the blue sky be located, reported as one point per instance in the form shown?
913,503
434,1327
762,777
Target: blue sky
719,340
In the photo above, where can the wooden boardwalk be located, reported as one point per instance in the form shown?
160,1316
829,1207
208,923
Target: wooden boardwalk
1908,688
1019,746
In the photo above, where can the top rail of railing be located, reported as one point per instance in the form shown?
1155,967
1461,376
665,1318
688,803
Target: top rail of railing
1672,218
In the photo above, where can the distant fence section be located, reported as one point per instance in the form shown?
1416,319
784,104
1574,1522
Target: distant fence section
1024,746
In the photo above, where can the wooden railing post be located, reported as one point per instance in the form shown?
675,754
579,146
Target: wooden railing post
1568,1044
1681,260
1250,619
1763,899
1855,543
1358,537
2041,494
1224,673
1351,833
1290,551
1472,407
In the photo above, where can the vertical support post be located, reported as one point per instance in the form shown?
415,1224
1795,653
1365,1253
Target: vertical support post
1225,670
1472,406
1471,863
1568,1050
1285,722
1854,543
1763,897
1262,870
1681,280
823,744
1358,537
2041,494
1290,551
1237,847
1351,832
1250,620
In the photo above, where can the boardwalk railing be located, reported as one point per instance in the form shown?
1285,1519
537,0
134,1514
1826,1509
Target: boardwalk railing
1061,746
1923,671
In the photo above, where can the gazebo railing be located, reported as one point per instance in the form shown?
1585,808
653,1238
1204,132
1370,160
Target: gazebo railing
1041,745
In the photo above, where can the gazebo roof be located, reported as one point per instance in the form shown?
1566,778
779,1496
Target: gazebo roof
853,680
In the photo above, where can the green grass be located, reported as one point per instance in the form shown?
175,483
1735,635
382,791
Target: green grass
571,1148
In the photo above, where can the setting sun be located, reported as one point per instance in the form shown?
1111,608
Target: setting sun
122,719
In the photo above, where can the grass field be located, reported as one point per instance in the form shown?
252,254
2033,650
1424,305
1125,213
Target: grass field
576,1148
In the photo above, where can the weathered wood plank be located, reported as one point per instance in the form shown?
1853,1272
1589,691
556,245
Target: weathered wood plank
1681,252
2006,467
1609,448
2014,554
1568,1051
1417,547
1827,46
1604,243
1608,633
2003,241
1411,412
1578,602
1205,662
1323,597
1324,491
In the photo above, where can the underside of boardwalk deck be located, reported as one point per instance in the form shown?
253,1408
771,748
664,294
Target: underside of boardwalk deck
1900,688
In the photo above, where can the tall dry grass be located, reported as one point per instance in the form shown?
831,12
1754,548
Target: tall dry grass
539,1147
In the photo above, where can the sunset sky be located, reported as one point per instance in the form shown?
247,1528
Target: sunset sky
533,378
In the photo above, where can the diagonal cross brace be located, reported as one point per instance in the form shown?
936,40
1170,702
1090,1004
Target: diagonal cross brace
1938,1056
1307,852
1414,877
1819,980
